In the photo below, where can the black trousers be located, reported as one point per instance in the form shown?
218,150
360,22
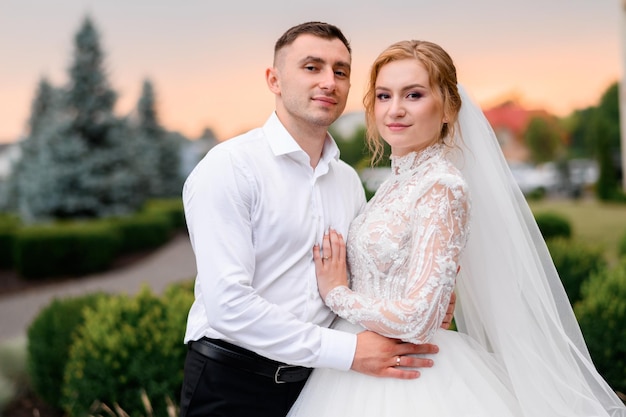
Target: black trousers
212,389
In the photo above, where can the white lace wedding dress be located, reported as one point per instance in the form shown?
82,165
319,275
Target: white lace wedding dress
403,252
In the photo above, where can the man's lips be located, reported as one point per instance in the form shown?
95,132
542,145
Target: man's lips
325,100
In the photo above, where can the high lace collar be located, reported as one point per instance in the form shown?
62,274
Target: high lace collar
412,160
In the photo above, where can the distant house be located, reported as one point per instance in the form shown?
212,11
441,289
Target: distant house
509,121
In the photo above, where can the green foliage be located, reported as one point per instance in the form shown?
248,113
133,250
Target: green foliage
74,249
172,207
595,131
621,249
543,138
601,315
143,231
50,336
353,149
553,224
575,262
126,345
8,227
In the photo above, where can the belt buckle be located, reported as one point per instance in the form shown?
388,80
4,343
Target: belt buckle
278,373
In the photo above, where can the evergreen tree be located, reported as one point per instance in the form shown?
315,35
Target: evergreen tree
26,175
44,106
160,150
77,160
605,131
90,99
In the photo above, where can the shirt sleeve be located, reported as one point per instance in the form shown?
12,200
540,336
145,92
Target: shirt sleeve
219,197
439,232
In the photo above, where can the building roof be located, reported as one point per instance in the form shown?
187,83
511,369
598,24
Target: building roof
512,116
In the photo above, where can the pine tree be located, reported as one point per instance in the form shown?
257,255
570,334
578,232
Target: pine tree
90,99
81,165
28,175
161,149
105,182
44,106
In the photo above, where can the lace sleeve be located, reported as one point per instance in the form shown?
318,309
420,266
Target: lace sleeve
438,233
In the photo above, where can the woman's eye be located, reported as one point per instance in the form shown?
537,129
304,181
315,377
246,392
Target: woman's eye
382,96
415,95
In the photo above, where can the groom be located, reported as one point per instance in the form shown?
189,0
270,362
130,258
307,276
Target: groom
255,206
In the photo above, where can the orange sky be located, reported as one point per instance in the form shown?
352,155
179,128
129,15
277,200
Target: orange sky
207,62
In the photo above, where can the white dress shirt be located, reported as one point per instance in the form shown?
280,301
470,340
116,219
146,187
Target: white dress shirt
254,208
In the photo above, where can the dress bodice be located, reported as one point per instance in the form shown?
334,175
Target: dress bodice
403,250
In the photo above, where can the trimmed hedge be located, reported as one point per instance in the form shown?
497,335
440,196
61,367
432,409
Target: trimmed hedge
126,346
50,336
64,249
75,248
8,227
173,208
575,262
143,231
602,317
553,224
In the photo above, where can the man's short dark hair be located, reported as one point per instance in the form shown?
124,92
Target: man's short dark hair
319,29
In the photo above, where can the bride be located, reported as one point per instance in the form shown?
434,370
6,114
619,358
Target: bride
450,201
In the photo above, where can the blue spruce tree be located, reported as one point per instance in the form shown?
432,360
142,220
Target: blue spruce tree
78,162
162,150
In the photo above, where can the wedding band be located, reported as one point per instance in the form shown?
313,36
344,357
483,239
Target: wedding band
326,258
397,360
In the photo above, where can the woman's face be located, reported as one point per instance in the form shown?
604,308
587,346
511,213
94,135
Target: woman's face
408,113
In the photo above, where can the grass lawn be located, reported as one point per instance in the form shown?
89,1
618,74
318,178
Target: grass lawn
592,221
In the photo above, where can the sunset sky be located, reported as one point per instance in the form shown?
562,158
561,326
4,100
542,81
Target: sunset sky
207,58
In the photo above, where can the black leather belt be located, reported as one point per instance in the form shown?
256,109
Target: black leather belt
246,360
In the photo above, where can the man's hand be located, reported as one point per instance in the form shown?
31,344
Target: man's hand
379,356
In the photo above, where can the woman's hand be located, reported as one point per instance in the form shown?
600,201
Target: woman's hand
330,264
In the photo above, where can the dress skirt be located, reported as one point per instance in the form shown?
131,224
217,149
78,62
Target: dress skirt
464,381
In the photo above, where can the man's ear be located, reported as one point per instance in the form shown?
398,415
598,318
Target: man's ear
272,80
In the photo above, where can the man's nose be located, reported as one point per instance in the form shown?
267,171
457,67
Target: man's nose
328,81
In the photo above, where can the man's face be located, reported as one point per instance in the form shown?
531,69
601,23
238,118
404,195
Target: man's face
311,80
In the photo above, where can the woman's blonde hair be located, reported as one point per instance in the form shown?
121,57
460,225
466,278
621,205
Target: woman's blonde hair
442,76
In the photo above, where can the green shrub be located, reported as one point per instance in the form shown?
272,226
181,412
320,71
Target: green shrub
64,249
143,231
602,316
553,225
8,227
172,207
50,336
125,346
621,248
575,261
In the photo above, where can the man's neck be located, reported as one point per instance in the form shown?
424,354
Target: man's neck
310,138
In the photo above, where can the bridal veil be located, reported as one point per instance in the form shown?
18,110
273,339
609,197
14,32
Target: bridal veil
510,297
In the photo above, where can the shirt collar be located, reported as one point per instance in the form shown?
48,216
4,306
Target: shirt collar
282,143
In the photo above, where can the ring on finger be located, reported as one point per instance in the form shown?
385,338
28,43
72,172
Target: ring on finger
397,360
